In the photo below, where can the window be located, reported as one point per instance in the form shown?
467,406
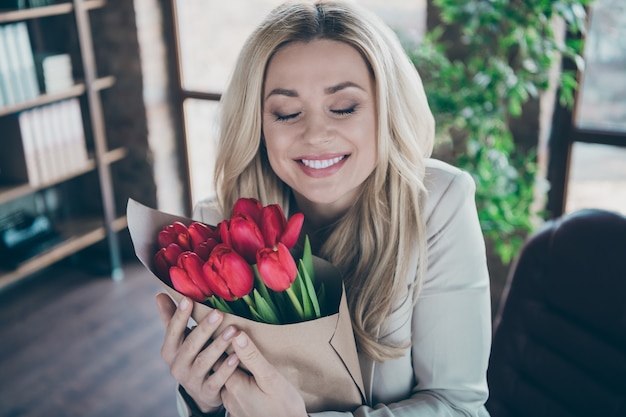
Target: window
597,171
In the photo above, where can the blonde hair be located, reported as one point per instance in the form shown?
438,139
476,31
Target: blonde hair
389,213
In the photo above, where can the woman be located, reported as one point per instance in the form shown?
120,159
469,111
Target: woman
326,116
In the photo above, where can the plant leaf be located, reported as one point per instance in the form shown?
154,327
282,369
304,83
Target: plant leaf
264,310
307,258
308,283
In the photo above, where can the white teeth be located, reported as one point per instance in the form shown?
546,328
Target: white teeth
321,164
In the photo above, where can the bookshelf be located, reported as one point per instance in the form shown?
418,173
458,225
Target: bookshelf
85,211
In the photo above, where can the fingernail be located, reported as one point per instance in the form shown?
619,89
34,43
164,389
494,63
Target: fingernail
241,340
228,333
214,316
184,304
233,359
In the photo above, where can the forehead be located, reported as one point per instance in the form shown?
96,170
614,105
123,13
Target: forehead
321,60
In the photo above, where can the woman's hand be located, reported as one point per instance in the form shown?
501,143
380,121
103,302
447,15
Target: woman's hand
265,393
199,368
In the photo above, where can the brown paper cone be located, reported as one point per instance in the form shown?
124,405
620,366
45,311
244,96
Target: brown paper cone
318,357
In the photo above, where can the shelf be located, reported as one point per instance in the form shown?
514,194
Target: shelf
43,99
78,234
12,192
103,83
94,4
9,15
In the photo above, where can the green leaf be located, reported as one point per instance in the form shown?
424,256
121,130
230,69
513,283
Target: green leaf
310,288
306,300
295,303
221,305
264,309
260,285
307,258
321,296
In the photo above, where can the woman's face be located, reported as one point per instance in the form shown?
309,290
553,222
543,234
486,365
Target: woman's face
319,123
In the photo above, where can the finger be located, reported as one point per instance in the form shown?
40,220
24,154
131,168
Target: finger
175,331
195,358
250,356
207,358
214,383
166,307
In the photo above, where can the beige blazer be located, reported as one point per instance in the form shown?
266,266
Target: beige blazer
444,372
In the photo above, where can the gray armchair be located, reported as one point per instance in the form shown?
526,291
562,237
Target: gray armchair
559,346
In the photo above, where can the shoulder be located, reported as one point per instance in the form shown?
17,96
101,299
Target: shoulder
448,188
207,211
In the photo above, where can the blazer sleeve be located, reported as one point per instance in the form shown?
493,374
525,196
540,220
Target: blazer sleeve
451,321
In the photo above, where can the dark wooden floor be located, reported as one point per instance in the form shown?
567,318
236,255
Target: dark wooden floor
72,344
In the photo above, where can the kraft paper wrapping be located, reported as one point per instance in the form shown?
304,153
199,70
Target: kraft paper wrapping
318,357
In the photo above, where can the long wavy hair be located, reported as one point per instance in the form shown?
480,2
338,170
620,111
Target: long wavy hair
388,215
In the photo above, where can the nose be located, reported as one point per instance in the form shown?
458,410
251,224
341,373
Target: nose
318,129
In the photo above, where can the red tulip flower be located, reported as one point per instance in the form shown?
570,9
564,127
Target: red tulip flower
228,274
243,257
204,249
275,227
242,233
200,233
175,233
276,267
188,278
165,258
251,207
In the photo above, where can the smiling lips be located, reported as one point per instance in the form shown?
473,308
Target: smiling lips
322,163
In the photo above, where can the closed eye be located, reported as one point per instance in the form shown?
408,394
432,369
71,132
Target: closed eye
286,117
344,112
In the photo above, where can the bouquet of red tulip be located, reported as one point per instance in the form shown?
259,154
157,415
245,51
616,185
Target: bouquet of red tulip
243,265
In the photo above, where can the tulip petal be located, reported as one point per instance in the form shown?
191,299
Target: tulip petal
184,285
228,274
204,249
161,265
292,232
250,207
276,268
199,233
245,237
166,236
172,252
273,224
192,264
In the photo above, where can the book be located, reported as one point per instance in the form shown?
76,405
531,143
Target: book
27,61
14,63
54,159
77,145
5,72
29,145
41,145
54,71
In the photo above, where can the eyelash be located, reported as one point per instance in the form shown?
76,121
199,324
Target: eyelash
341,112
285,118
344,112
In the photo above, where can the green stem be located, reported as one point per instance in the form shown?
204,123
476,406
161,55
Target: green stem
295,302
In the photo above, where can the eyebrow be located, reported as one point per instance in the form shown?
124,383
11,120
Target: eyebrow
328,90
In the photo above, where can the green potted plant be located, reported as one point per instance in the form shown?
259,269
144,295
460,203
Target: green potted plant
482,61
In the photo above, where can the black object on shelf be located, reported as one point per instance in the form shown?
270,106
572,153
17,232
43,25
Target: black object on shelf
23,236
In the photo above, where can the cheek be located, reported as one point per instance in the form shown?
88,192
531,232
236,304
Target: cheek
273,149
